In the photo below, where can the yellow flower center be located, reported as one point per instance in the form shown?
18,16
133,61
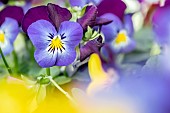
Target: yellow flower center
2,37
56,43
121,38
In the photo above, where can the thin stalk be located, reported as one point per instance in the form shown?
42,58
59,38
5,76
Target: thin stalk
61,90
48,71
5,62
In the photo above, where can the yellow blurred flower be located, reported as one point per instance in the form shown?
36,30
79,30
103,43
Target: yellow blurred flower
100,80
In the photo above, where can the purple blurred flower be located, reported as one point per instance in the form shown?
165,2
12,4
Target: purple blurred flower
82,3
116,7
9,27
161,24
54,37
119,35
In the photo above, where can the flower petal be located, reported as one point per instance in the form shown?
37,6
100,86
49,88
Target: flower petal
58,14
17,13
44,58
80,3
89,17
72,31
39,33
161,25
6,47
67,56
128,24
111,30
116,7
34,14
10,28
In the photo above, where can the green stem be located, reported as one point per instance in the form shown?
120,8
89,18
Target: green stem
60,89
48,71
5,62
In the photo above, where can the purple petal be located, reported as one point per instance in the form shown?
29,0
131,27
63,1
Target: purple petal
34,14
89,17
58,14
111,30
72,31
6,47
10,28
92,46
44,58
80,3
14,12
128,24
102,21
116,7
161,25
39,33
67,56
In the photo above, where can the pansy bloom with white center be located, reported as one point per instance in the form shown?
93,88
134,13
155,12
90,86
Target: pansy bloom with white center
53,36
118,35
9,27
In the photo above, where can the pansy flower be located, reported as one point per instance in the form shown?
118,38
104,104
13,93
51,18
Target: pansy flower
118,34
52,34
9,27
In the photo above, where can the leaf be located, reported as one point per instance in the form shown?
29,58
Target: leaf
62,80
144,39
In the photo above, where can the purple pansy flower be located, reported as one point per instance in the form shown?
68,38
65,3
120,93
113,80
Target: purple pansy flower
52,34
161,24
119,35
9,27
82,3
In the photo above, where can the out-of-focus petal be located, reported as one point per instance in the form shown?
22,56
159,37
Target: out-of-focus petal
10,28
6,47
89,17
58,14
111,30
116,7
161,25
14,12
34,14
72,31
128,24
80,3
96,71
40,32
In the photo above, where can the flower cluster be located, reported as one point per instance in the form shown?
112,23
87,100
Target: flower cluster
106,56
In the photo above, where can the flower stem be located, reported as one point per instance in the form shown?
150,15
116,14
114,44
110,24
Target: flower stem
60,89
48,71
5,62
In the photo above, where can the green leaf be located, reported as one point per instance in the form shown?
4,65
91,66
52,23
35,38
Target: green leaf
144,39
62,80
91,34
